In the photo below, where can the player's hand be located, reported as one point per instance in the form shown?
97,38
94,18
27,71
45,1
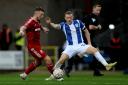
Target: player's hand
99,27
48,20
21,33
46,30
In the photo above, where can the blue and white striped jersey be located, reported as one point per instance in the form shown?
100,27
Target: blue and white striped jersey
73,32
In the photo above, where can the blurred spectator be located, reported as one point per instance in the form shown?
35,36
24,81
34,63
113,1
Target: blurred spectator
115,47
19,40
116,41
6,37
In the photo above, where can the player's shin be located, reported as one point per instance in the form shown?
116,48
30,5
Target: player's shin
50,67
33,66
57,65
49,64
61,61
100,58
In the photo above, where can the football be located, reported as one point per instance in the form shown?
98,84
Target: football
58,73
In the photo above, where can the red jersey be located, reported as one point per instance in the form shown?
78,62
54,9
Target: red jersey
33,32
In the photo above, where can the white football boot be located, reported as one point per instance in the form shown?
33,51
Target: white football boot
110,66
23,76
53,78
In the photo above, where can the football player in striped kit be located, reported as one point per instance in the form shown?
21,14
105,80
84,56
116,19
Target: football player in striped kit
75,44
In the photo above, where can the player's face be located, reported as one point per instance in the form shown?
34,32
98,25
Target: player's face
97,10
39,14
68,17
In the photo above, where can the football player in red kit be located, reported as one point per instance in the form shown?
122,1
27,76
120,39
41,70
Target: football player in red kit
32,30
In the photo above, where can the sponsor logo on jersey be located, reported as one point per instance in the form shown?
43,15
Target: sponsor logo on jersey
37,29
77,25
36,52
93,19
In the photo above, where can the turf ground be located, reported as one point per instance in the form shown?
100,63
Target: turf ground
77,78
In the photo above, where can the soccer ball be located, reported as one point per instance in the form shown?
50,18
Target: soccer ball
58,73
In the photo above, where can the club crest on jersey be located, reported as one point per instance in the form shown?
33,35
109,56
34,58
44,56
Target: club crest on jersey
93,19
37,29
76,25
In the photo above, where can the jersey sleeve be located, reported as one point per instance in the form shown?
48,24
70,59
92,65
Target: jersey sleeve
61,25
88,21
28,24
82,25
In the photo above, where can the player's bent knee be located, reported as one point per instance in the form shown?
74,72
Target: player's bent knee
92,50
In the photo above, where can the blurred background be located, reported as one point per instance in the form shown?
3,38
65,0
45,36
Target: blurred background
13,54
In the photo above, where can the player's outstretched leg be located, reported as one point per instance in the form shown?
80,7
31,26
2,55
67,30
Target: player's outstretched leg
99,57
31,67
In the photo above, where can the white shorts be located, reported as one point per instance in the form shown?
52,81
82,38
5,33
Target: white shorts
72,50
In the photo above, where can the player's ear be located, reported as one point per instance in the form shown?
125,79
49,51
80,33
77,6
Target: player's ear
35,12
65,17
47,18
73,16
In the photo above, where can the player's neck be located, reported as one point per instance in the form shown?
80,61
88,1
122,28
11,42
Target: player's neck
69,22
94,14
35,18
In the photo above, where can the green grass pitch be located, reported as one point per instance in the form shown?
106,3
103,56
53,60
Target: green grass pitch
77,78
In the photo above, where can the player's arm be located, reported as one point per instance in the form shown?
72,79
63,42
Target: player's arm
87,35
56,26
93,27
22,30
48,21
45,29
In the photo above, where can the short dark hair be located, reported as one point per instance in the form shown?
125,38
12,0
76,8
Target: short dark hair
68,12
97,5
39,9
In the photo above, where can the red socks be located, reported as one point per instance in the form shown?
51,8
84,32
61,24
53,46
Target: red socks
50,67
31,67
